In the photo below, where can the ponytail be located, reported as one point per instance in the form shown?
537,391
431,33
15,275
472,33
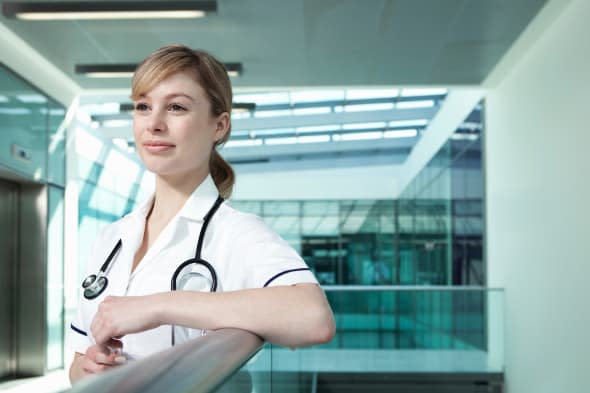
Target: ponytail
222,174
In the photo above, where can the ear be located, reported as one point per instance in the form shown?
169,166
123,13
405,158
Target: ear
222,124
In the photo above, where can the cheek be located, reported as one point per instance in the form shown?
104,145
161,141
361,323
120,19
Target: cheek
136,128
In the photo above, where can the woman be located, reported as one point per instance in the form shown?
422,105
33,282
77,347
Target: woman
182,101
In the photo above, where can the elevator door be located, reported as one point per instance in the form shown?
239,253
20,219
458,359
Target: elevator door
8,247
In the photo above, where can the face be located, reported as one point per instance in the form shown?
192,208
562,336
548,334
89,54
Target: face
174,129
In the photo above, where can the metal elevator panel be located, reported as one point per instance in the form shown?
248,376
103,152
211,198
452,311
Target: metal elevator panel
8,258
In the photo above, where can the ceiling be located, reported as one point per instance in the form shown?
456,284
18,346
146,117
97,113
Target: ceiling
289,45
306,42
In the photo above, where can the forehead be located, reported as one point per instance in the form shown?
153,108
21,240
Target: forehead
179,83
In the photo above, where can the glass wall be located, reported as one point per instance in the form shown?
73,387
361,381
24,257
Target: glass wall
32,135
431,236
442,212
110,182
33,142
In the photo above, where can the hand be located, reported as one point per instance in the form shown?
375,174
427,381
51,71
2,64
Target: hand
117,316
97,358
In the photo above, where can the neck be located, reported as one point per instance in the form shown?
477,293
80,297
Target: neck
172,193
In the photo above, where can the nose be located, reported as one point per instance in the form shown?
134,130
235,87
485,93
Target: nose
156,121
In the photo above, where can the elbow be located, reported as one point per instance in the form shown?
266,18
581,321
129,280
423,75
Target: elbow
327,332
324,328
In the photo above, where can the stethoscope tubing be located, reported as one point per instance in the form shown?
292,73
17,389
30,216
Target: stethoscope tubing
95,284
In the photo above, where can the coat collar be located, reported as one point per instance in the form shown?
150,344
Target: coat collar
195,208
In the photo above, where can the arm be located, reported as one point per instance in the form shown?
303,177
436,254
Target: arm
292,316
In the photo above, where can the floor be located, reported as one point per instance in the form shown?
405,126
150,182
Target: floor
55,381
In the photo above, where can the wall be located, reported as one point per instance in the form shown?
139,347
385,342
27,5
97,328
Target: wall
537,207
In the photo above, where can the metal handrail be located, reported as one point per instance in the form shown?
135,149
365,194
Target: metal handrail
417,288
200,365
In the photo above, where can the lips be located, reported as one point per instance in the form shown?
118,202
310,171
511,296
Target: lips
157,146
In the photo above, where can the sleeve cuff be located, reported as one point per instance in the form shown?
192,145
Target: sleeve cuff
78,340
291,277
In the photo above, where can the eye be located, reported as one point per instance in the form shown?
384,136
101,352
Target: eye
176,108
141,106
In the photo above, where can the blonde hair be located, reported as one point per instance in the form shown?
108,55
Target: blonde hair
213,78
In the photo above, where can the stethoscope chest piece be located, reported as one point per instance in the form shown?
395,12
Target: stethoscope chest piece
94,286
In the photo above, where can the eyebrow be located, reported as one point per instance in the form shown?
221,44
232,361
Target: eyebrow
172,95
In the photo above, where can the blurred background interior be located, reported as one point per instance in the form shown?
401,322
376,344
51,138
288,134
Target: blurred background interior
425,157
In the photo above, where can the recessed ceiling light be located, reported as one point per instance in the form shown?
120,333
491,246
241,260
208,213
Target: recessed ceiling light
75,10
126,70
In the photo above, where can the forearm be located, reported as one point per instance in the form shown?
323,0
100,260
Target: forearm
292,316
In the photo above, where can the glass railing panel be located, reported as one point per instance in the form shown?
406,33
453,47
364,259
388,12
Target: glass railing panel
254,376
383,329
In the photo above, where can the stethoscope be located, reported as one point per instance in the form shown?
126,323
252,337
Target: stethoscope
95,284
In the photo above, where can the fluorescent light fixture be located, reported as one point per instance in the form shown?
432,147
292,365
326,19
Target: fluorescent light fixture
4,98
359,136
14,111
464,137
126,70
264,98
277,113
410,133
313,138
316,95
362,126
106,70
281,141
117,123
78,10
243,143
52,111
240,133
408,123
275,131
415,104
31,98
423,92
328,127
107,108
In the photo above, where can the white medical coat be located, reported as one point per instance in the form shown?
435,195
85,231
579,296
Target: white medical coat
244,252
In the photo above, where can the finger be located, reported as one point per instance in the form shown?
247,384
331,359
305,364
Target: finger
92,367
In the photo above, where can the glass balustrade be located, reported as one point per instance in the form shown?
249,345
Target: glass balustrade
392,330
